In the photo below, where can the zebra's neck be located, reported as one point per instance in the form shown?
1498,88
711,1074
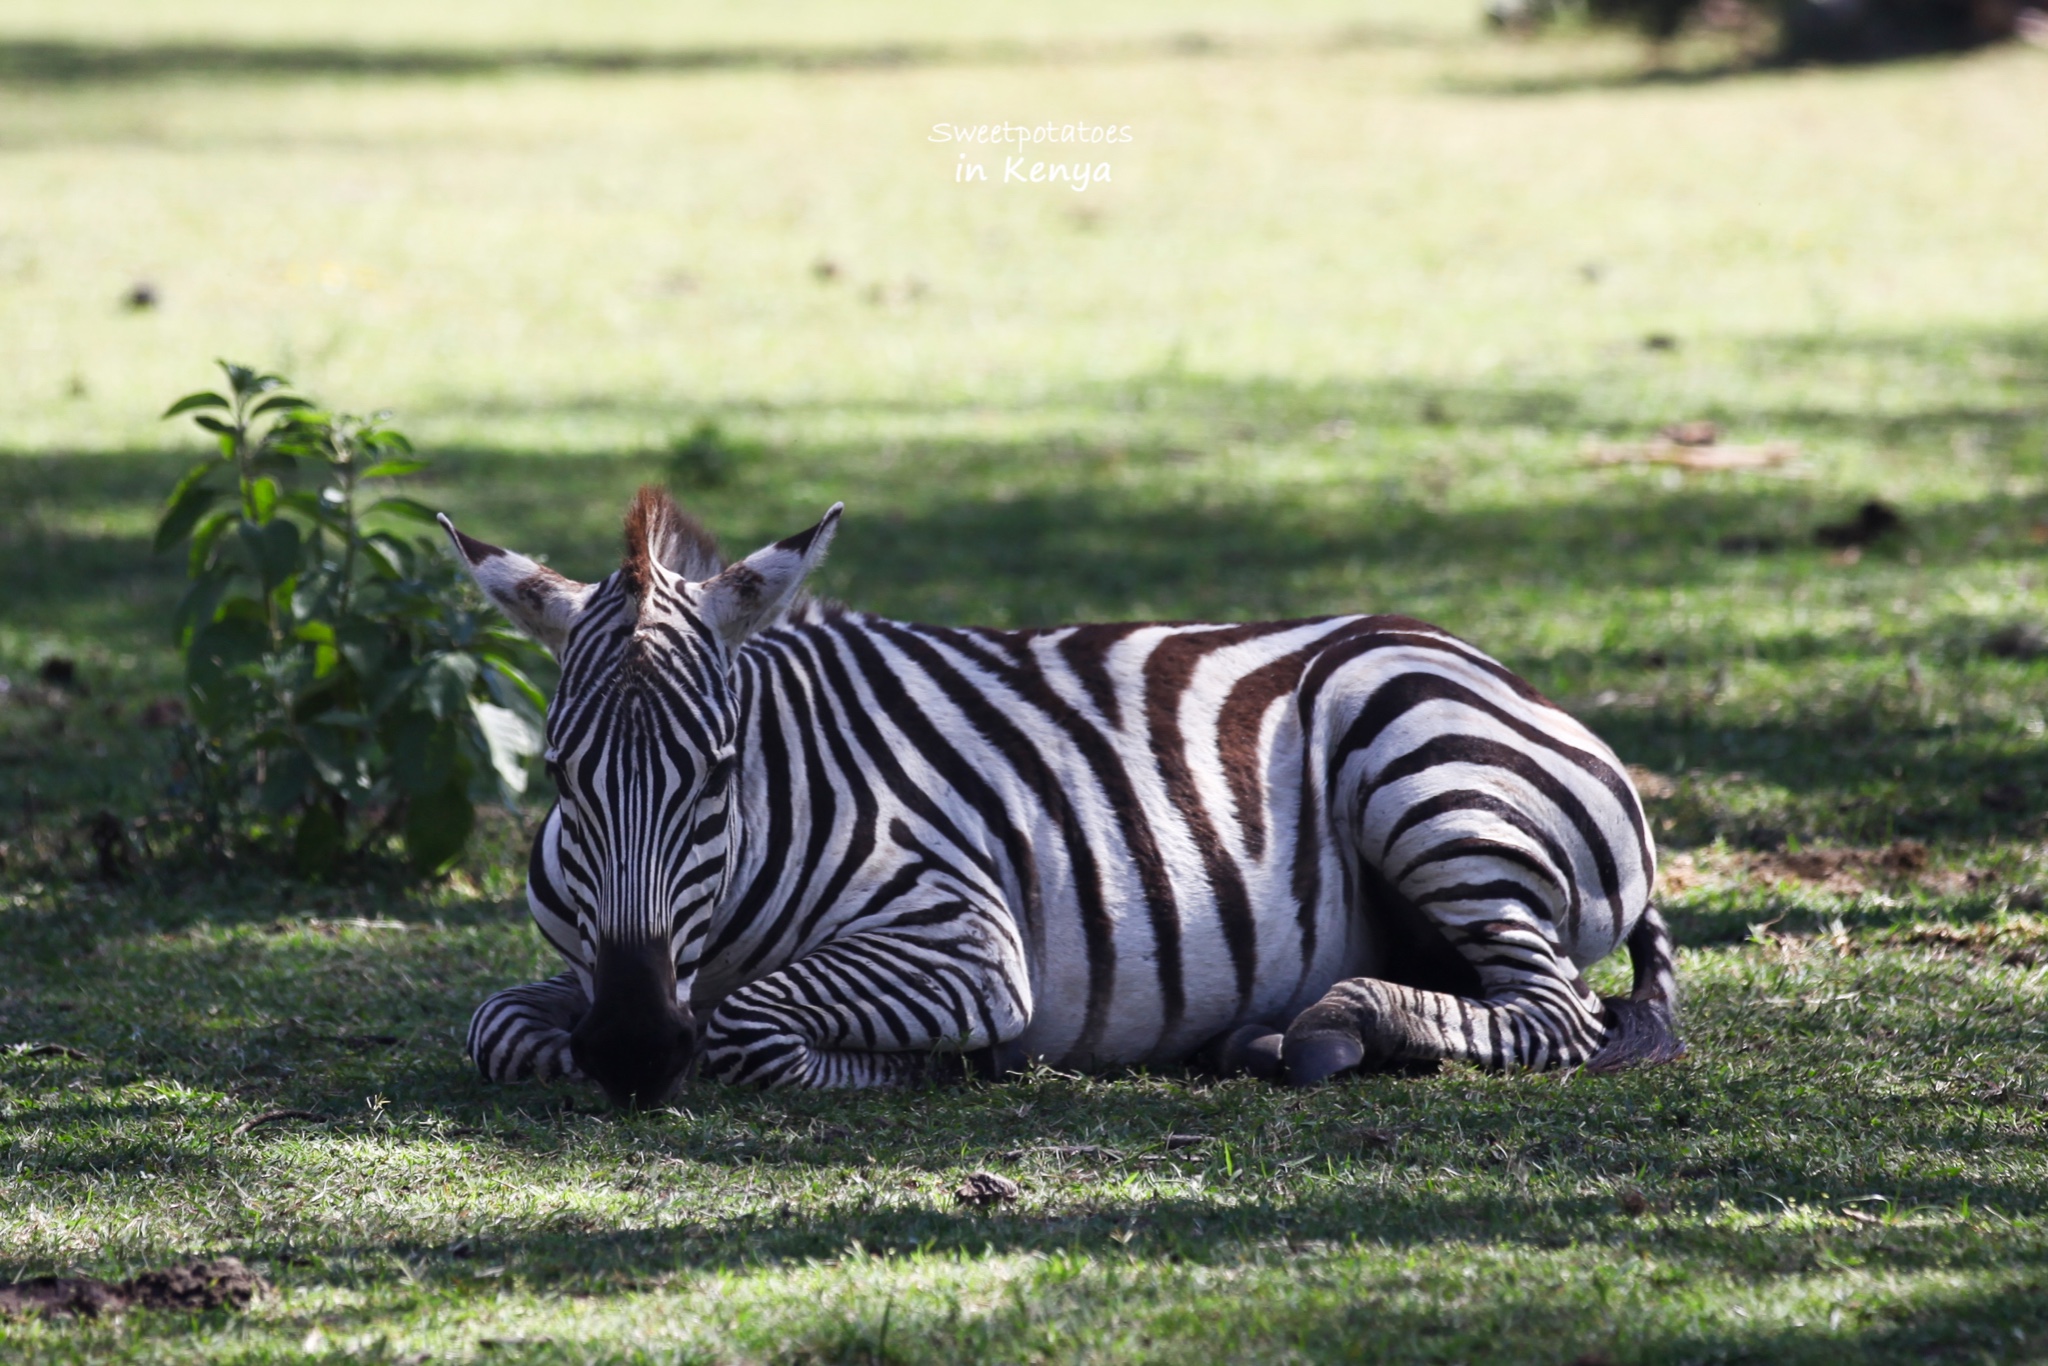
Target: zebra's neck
782,810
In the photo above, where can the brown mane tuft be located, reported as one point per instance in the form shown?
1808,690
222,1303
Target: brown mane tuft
659,532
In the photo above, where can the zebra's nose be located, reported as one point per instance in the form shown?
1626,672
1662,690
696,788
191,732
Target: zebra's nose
637,1066
637,1041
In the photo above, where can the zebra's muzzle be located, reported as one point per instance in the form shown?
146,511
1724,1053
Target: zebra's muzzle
637,1041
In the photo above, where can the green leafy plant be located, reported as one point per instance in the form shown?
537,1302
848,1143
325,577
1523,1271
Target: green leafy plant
343,683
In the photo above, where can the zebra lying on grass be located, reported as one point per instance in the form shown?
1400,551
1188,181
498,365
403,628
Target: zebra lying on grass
797,845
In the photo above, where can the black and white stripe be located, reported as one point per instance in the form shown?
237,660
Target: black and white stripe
1309,845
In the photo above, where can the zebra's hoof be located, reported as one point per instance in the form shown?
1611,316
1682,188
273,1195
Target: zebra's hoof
1249,1050
1313,1058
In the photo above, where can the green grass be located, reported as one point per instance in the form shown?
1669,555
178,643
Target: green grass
1335,336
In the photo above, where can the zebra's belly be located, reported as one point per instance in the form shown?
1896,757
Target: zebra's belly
1167,999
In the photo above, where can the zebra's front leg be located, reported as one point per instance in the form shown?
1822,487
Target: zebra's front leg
522,1033
878,1008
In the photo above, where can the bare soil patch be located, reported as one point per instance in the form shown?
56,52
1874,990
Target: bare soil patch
220,1284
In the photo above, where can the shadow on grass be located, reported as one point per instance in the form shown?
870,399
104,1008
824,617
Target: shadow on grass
1864,750
1378,1317
30,62
1547,1173
61,62
1664,75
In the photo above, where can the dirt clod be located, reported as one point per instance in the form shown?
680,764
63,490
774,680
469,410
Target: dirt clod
1874,520
2023,640
1696,433
986,1188
220,1284
2004,797
162,713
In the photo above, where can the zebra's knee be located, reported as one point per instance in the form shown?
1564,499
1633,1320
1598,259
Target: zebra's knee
522,1033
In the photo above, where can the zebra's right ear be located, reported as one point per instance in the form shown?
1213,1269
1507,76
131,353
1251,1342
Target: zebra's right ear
539,601
753,594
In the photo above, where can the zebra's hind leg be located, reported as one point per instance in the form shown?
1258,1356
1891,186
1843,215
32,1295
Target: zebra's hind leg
1368,1024
1534,1009
522,1033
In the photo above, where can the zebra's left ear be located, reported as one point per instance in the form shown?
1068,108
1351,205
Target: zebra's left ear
753,594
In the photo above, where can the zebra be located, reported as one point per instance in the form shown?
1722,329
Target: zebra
799,845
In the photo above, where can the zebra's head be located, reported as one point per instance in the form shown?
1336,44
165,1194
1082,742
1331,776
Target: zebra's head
640,743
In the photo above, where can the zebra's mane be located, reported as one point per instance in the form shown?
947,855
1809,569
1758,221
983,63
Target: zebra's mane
659,532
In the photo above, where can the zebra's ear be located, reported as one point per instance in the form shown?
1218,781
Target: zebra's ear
753,594
539,601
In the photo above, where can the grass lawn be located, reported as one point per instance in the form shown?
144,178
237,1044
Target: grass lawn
1361,292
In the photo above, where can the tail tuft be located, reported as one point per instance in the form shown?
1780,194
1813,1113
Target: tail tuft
1642,1027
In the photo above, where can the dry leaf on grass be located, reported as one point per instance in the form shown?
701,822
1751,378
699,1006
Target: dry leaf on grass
1651,785
1695,458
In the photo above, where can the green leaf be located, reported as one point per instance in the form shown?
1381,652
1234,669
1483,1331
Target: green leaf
361,643
215,425
182,515
391,469
512,674
274,461
314,510
333,754
245,382
281,403
193,401
289,779
272,550
199,604
437,825
263,498
378,553
205,535
217,661
445,684
510,741
422,752
211,465
409,509
316,848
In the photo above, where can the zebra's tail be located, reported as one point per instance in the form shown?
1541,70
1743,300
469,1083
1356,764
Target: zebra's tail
1642,1027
